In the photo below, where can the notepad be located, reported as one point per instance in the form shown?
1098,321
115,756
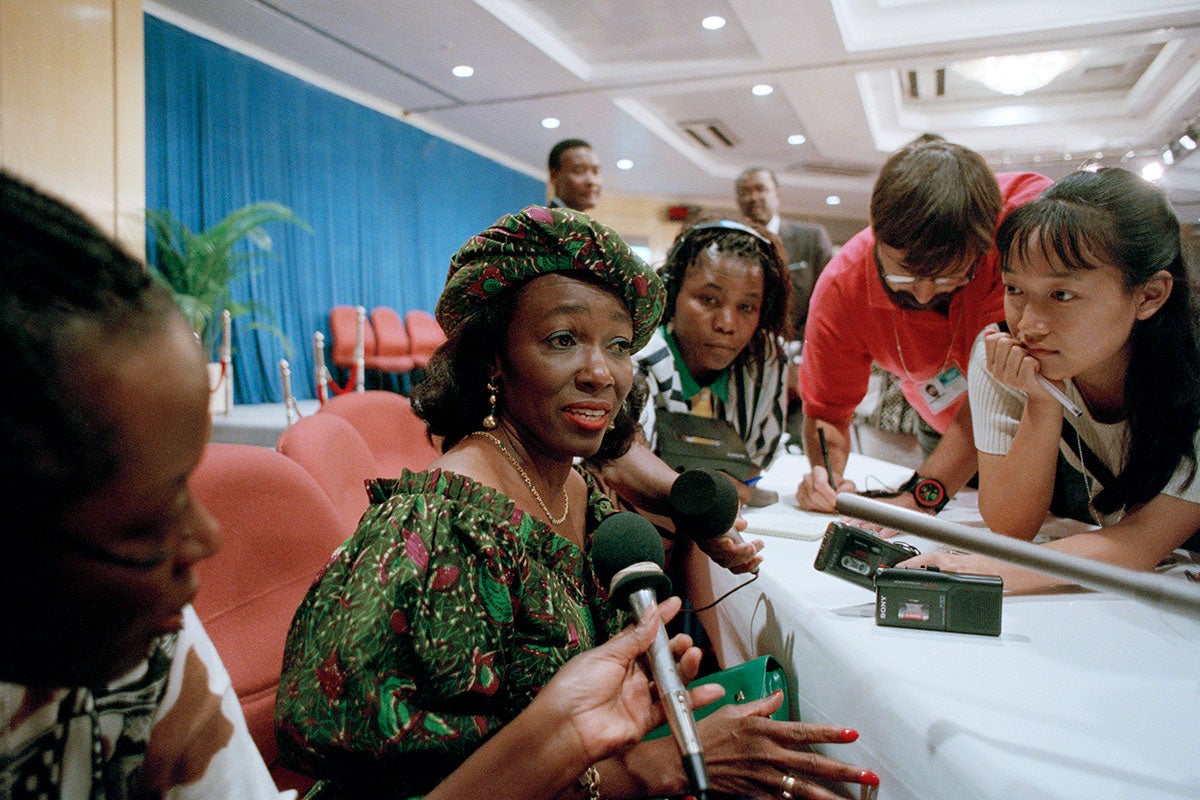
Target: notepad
786,522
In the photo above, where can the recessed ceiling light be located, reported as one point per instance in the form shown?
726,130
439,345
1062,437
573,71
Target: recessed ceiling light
463,71
713,23
833,200
762,89
1152,171
624,163
797,138
551,123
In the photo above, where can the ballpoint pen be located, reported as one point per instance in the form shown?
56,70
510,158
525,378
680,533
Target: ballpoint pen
1054,391
825,456
1071,408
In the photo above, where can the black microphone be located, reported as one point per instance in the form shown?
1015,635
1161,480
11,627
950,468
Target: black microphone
705,504
628,555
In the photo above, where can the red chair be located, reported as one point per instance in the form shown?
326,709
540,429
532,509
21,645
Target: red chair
425,335
280,530
343,329
385,420
393,351
336,456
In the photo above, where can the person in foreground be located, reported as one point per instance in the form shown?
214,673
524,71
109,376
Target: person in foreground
1098,304
109,685
468,586
910,292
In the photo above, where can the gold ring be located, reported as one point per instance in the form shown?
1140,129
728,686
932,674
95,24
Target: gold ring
787,786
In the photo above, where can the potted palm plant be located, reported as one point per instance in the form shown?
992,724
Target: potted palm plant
200,267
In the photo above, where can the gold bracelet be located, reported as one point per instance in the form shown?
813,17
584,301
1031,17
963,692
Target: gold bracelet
590,781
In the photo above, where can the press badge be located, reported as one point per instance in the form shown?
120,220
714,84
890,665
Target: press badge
944,388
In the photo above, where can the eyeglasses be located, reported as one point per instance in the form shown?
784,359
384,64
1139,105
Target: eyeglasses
908,281
941,282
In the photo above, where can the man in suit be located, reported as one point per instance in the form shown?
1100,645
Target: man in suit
575,175
808,246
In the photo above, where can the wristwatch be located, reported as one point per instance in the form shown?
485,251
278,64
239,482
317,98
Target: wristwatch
929,493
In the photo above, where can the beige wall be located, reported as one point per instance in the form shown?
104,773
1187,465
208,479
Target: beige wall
72,116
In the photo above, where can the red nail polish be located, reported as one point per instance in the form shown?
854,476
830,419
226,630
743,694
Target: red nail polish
868,778
848,735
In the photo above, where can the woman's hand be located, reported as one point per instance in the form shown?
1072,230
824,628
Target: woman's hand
816,494
1010,364
737,557
749,754
966,563
603,697
882,531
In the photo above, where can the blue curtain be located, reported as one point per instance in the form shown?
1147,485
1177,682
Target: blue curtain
388,203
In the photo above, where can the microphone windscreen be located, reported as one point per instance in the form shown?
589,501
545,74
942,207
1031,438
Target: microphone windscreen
704,503
623,539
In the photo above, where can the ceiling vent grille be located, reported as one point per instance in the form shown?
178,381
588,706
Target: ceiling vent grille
925,83
711,134
828,168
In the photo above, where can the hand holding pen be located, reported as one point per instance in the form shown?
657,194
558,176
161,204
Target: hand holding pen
1010,362
825,459
818,492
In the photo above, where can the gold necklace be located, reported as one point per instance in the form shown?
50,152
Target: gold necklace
536,495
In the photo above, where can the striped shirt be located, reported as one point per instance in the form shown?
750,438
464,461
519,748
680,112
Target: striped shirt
757,404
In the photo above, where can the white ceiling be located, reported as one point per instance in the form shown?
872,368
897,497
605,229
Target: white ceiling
632,76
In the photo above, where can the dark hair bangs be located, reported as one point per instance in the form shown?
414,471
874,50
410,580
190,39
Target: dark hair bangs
1077,236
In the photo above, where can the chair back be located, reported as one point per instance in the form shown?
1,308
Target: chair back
424,334
280,530
385,420
333,452
393,351
343,329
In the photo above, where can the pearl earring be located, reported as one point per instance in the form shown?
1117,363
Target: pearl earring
489,422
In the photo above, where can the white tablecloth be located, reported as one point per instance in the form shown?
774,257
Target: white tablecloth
1084,695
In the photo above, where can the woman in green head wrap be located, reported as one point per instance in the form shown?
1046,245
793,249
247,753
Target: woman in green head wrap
469,585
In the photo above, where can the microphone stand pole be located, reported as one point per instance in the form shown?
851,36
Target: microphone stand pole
1158,590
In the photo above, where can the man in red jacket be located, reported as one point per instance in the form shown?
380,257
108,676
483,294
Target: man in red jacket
909,293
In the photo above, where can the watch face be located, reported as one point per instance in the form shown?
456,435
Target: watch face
929,493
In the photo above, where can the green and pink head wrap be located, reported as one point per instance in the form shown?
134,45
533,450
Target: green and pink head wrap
539,241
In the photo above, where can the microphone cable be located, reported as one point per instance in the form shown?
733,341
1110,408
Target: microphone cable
713,604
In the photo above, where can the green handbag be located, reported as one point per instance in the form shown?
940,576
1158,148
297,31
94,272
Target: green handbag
750,680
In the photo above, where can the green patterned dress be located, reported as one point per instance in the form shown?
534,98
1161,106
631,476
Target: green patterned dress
432,627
